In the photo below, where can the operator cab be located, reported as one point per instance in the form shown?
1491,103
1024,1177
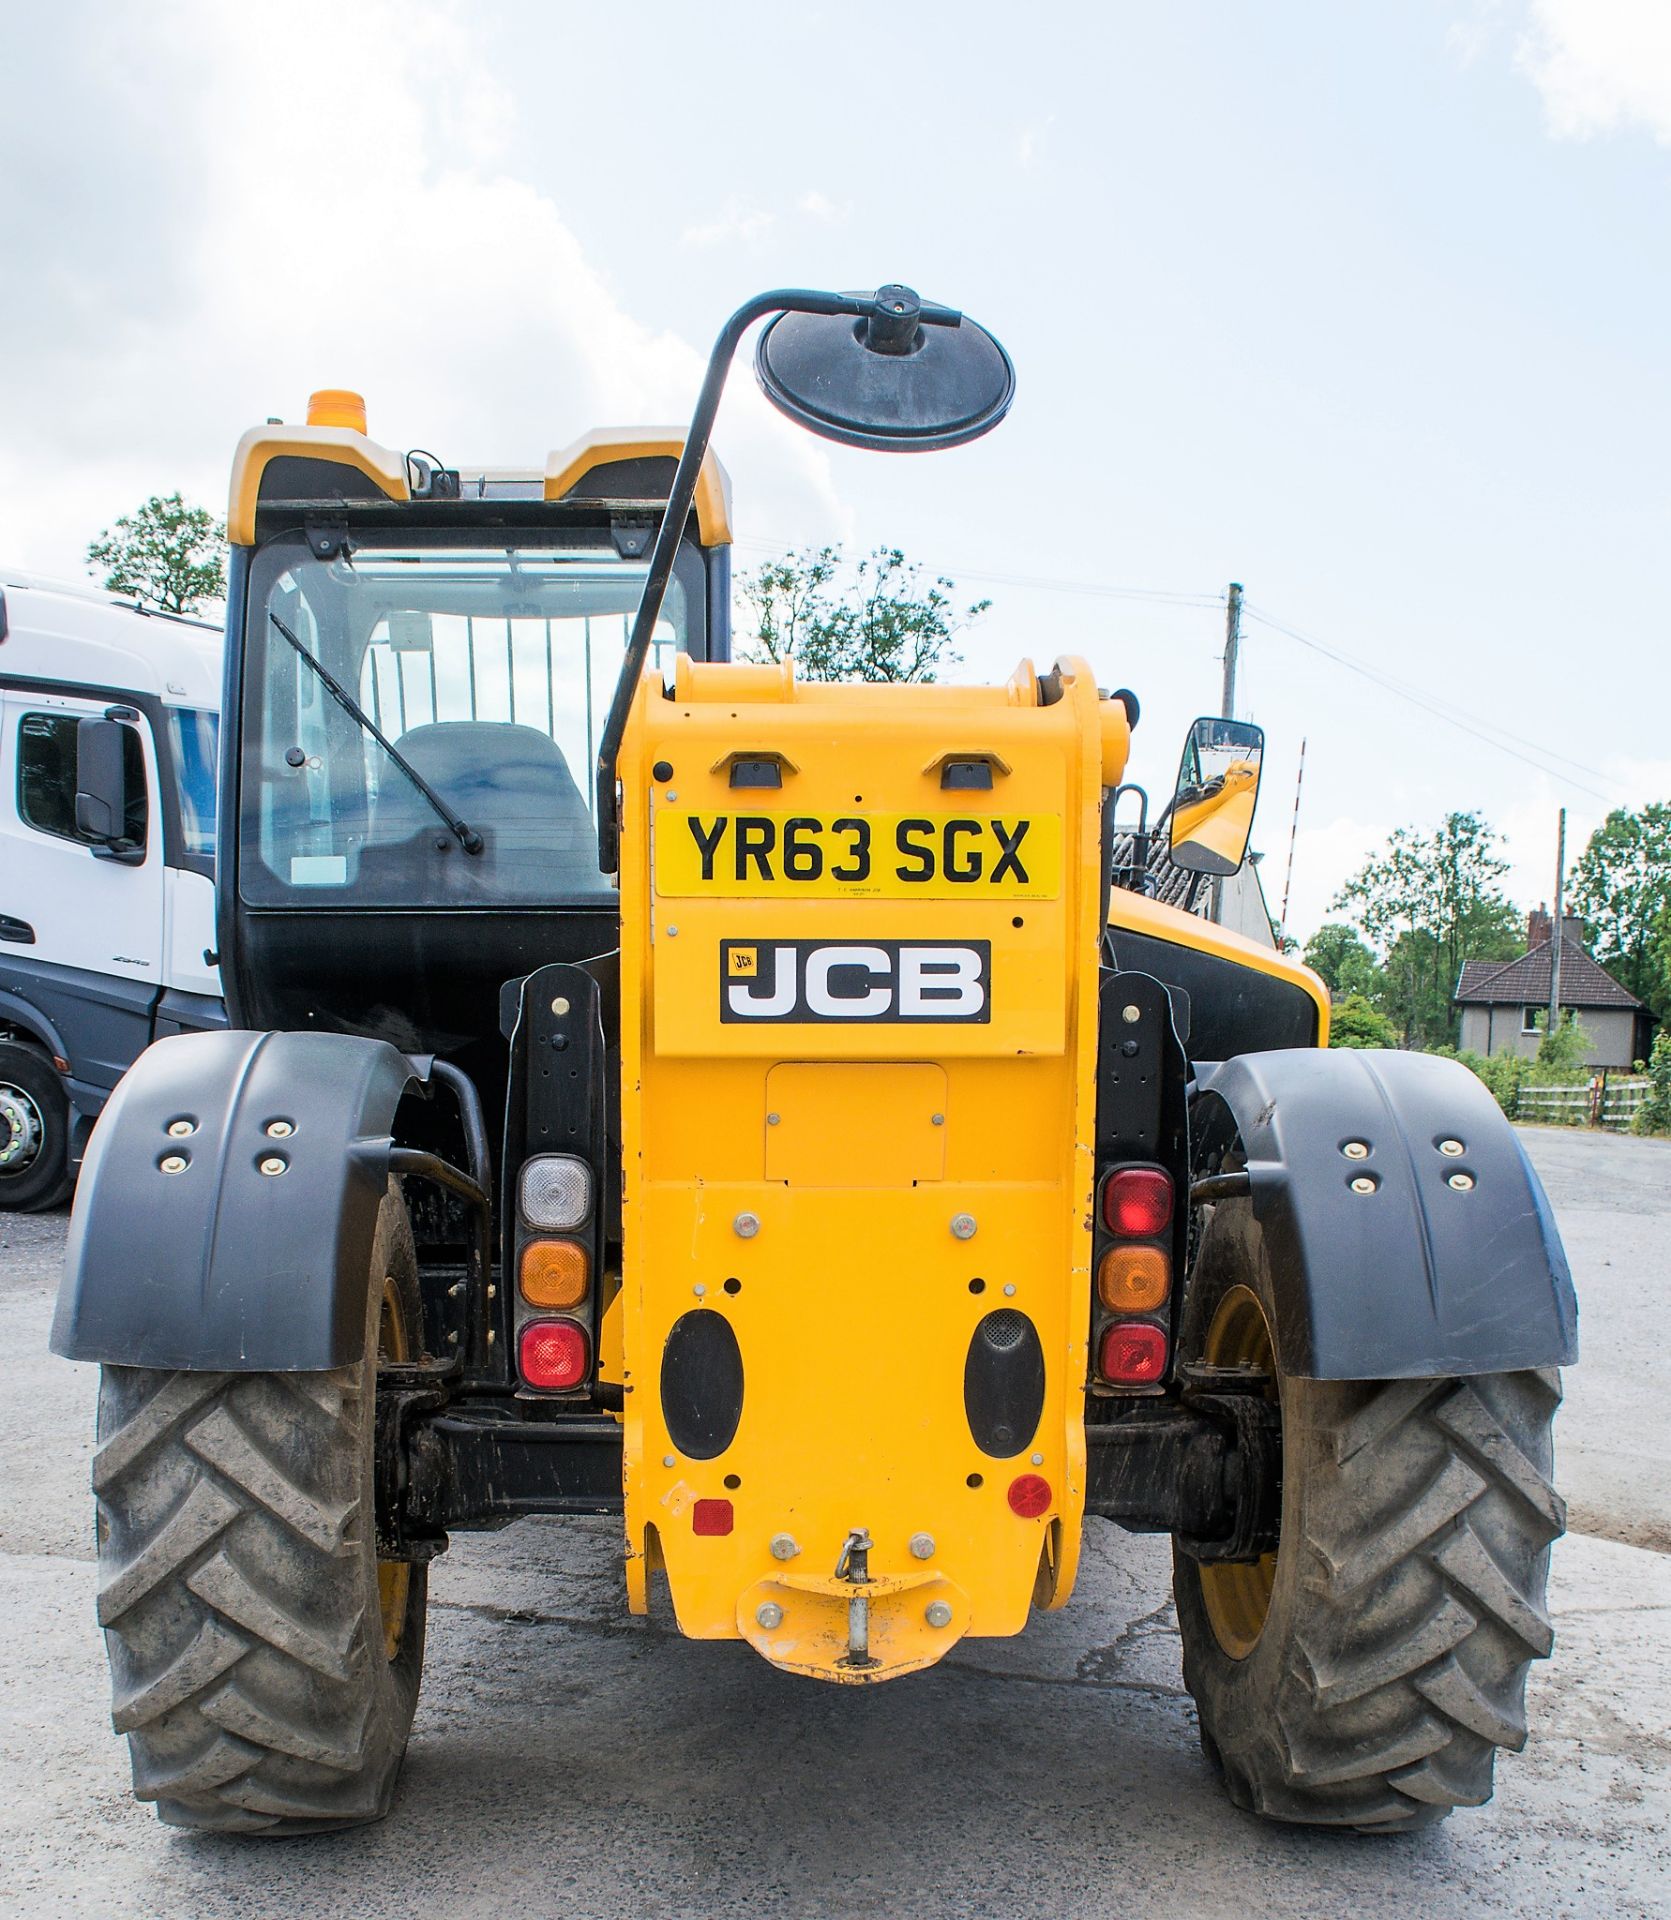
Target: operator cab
421,665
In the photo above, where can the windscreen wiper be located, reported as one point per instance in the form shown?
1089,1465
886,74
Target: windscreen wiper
467,836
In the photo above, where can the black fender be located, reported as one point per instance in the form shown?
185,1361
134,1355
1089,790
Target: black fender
1416,1277
218,1266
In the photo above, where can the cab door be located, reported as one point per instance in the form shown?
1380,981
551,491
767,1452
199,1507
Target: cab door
81,931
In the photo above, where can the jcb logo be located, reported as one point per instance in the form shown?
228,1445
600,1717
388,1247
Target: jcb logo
799,982
858,856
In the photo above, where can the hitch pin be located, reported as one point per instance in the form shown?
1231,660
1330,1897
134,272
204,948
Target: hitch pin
854,1565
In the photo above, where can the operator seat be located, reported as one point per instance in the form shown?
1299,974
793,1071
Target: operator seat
510,783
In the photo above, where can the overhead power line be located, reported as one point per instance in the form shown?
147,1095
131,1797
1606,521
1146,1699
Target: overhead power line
1531,753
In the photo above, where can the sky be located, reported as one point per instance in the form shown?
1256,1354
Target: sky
1366,308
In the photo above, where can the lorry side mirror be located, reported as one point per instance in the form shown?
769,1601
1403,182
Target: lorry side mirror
1218,787
102,794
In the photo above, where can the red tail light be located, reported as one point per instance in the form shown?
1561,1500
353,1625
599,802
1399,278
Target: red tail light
1137,1202
1133,1353
552,1354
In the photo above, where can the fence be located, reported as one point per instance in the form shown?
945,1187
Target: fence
1608,1101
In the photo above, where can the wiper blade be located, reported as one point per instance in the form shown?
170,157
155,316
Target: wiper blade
467,836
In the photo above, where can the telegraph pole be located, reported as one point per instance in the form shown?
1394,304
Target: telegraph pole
1555,939
1232,646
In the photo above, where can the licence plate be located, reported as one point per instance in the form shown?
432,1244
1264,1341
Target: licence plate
890,856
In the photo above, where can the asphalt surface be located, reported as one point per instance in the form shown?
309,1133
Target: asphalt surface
568,1759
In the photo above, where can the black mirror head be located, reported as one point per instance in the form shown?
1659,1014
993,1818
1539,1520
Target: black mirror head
888,380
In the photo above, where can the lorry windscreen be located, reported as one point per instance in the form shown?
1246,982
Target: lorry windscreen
489,670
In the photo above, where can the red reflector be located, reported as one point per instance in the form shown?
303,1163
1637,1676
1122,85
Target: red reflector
552,1354
711,1516
1137,1202
1133,1353
1030,1495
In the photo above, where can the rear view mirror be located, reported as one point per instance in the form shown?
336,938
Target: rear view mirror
1218,786
102,797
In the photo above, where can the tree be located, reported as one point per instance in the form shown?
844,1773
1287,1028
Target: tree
1433,901
1621,884
1342,961
166,552
1355,1023
881,624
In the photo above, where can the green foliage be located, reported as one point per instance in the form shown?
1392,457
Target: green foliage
1433,900
170,554
1654,1114
1564,1052
880,623
1621,884
1354,1022
1342,961
1502,1073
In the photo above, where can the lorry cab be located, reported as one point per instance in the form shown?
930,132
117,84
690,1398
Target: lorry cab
106,926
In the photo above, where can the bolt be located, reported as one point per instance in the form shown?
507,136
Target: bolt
178,1129
1038,1459
1451,1148
699,1290
279,1129
1130,1049
455,1289
937,1614
922,1546
746,1225
1363,1184
452,1339
1463,1182
491,1336
963,1226
667,1460
560,1005
770,1615
1009,1289
493,1293
174,1163
772,1119
1131,1015
671,794
784,1545
936,1119
273,1165
1356,1150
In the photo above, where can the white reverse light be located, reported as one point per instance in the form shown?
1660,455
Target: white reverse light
556,1193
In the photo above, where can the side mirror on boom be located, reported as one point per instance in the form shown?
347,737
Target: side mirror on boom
1218,787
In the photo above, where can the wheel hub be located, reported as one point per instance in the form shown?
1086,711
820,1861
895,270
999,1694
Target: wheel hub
21,1129
1237,1594
394,1577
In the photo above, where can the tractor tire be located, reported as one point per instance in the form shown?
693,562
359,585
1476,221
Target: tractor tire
264,1663
34,1131
1365,1673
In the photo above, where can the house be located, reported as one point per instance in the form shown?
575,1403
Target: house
1505,1003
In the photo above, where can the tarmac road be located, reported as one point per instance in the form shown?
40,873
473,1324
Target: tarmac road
570,1760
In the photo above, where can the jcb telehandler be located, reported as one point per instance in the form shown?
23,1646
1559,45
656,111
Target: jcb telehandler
879,1190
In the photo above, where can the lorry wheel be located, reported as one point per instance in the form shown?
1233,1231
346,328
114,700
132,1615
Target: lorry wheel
264,1663
34,1131
1365,1673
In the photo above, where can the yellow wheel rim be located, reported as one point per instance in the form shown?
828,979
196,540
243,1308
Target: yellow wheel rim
394,1577
1238,1594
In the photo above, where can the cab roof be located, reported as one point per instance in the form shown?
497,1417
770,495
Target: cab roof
72,634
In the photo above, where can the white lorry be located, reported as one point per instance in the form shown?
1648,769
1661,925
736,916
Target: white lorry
108,727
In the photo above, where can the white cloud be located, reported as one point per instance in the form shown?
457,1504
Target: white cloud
735,223
819,206
224,220
1029,145
1600,65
